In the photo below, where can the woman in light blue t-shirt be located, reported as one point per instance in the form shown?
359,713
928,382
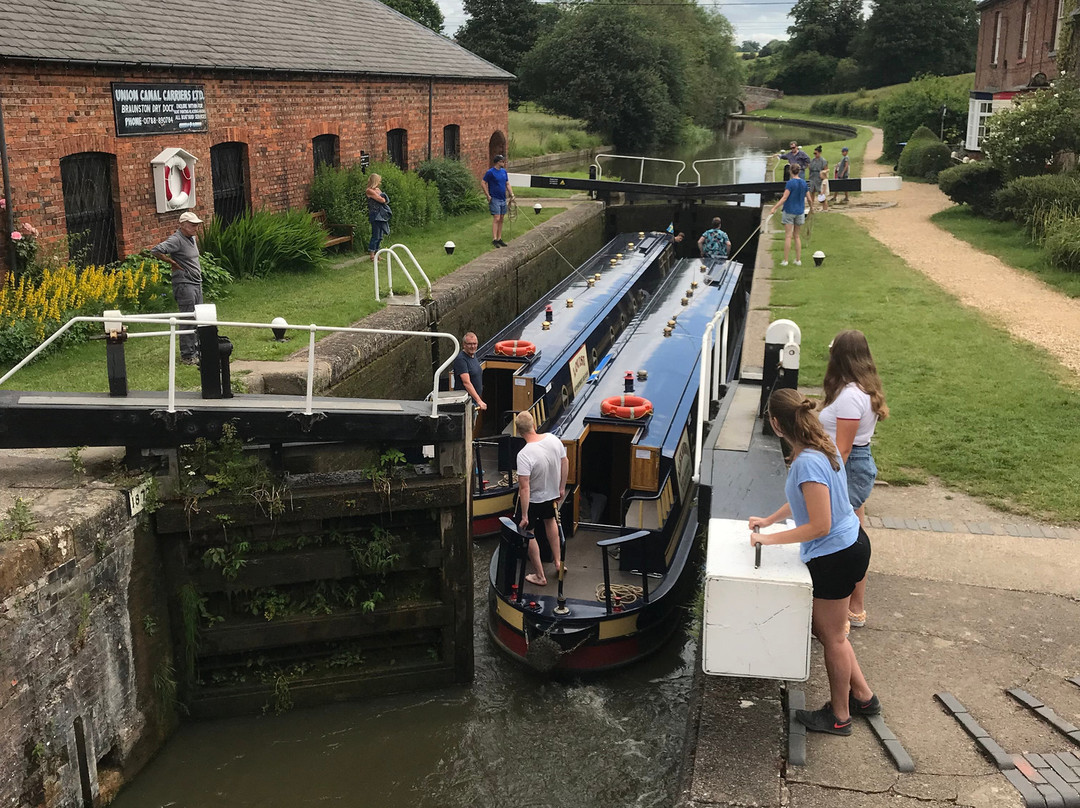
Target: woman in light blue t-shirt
833,546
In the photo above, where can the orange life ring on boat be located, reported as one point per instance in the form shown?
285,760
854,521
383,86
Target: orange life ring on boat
515,347
629,407
177,171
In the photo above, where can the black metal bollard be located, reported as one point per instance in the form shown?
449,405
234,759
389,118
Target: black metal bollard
116,364
224,351
209,361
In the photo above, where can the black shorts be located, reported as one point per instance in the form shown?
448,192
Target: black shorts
538,511
836,574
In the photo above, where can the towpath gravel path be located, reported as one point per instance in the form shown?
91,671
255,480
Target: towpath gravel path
1026,307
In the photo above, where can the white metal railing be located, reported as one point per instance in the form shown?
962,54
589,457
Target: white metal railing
641,172
390,253
713,369
190,319
732,160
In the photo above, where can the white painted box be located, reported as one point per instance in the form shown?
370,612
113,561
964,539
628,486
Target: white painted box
757,621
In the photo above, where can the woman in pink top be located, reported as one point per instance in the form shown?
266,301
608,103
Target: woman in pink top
854,403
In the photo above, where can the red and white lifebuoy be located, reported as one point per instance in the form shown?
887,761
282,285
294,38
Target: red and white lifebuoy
515,347
178,178
629,408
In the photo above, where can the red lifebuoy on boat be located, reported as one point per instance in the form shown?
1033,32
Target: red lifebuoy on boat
629,407
515,347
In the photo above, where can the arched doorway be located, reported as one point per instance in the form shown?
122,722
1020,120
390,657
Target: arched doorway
496,145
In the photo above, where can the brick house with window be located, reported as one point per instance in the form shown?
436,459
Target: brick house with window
1018,47
236,103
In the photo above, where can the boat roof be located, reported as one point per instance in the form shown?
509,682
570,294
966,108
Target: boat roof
672,362
571,326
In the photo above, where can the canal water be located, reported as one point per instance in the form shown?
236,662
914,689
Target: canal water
511,738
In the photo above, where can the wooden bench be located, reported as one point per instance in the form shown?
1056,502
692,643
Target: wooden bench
344,232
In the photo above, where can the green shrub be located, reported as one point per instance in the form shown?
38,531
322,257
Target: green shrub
1029,200
340,192
919,104
415,203
922,133
261,243
459,191
924,158
865,109
1062,242
974,184
1029,138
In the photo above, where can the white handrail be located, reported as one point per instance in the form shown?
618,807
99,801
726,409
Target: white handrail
641,173
709,389
189,319
391,253
734,177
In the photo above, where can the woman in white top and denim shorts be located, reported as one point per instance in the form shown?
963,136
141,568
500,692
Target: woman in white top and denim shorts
854,403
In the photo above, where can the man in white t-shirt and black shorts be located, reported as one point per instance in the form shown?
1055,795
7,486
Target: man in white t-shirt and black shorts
542,468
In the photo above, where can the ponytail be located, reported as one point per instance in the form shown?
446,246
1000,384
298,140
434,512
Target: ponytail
795,415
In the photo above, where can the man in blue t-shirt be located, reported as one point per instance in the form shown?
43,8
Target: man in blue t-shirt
496,188
793,201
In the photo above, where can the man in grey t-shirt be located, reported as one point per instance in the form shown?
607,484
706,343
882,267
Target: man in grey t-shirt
542,468
181,252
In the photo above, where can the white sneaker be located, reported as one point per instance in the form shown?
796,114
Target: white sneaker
798,263
783,263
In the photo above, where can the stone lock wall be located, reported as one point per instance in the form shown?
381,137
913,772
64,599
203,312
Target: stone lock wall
50,113
755,98
82,633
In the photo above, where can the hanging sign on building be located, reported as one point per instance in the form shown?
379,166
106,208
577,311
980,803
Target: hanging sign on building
152,109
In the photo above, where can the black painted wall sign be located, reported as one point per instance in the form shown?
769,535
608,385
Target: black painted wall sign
152,109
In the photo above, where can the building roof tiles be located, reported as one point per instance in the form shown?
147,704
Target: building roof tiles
333,36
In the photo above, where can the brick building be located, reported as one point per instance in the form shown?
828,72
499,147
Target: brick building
1018,48
254,94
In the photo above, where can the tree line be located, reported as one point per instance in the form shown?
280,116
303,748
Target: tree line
832,48
637,73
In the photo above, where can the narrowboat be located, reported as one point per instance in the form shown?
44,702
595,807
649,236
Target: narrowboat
542,360
628,521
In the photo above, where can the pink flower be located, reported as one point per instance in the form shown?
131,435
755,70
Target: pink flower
16,235
28,229
3,203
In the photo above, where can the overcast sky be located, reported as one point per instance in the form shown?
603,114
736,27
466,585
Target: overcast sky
758,21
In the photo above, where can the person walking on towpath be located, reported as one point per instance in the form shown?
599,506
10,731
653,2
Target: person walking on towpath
496,189
834,547
181,252
542,470
714,244
794,204
842,172
814,175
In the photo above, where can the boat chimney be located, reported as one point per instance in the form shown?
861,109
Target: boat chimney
549,313
628,382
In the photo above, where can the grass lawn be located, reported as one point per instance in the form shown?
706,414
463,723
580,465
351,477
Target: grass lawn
534,132
336,296
1009,242
984,413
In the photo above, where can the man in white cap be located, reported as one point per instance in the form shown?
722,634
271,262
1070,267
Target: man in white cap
181,252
